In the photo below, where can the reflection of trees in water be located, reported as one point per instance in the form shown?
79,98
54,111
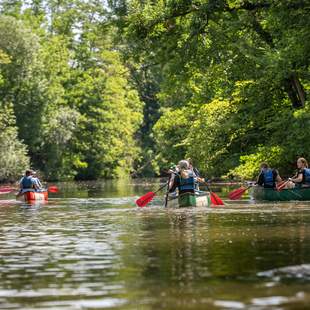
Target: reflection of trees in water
161,249
242,245
186,251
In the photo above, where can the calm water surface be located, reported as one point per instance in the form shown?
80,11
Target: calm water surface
91,248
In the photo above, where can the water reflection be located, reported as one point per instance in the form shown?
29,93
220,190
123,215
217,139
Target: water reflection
91,248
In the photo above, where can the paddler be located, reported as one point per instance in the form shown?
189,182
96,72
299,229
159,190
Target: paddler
36,182
26,183
302,177
268,177
184,179
196,172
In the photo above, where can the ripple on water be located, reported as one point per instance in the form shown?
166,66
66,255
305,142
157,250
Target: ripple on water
301,272
97,253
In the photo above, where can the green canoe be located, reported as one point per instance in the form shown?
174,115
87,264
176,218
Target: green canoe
200,199
268,194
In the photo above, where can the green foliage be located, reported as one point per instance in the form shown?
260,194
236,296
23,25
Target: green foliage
249,164
13,153
212,76
224,64
74,106
170,133
24,82
111,114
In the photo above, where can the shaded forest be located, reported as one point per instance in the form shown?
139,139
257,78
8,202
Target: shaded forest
95,89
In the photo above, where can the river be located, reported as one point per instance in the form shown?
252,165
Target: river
91,248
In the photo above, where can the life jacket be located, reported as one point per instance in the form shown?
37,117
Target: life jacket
187,184
306,176
27,182
268,178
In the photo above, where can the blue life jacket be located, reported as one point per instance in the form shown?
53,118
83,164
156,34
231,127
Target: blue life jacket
268,178
187,184
306,178
27,182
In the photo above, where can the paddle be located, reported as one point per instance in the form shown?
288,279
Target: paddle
167,192
53,189
237,193
282,185
215,199
8,189
148,197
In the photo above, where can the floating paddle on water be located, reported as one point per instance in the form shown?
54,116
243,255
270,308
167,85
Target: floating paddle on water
148,197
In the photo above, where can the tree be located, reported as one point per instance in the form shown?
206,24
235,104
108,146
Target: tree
225,65
13,153
111,114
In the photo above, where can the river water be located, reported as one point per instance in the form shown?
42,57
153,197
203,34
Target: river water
91,248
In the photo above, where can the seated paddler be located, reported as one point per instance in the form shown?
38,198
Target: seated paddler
302,177
268,177
26,183
36,182
196,173
184,179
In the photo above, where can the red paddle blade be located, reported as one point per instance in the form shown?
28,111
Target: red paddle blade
281,185
3,192
216,200
6,190
53,189
237,193
145,199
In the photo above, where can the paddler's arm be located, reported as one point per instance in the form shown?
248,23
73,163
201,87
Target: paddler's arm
175,184
20,183
278,178
260,179
297,179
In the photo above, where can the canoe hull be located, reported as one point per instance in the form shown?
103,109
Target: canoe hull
259,193
33,196
202,200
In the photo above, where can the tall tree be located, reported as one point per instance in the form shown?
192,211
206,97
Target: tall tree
225,68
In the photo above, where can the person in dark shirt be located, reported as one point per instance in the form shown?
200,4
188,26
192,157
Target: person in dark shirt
268,177
302,177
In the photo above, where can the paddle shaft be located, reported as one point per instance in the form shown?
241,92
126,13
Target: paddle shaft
11,189
242,192
167,183
167,193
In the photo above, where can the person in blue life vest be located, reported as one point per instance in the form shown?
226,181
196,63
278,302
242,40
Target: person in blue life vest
302,177
184,180
268,177
26,182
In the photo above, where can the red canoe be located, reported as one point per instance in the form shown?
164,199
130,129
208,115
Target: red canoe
33,196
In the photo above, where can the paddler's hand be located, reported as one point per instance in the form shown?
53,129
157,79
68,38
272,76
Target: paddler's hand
201,180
